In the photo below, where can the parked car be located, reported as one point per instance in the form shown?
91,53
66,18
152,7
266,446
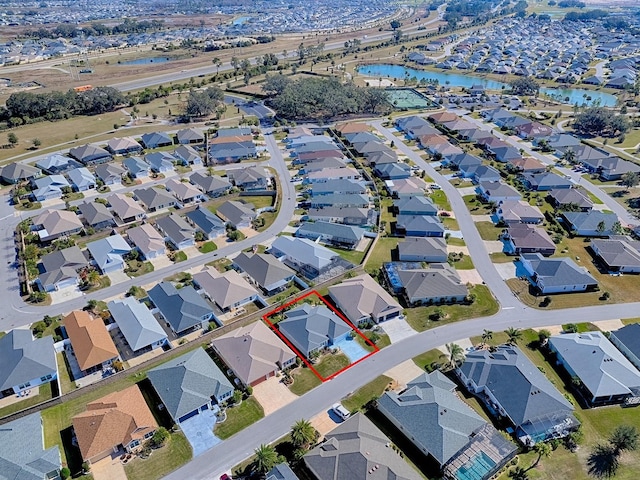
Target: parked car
224,476
342,412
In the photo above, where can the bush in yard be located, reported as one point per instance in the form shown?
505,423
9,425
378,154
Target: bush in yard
160,437
65,473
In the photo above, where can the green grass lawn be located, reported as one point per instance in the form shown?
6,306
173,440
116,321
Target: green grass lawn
424,360
381,253
440,199
239,417
259,201
64,378
366,393
629,321
582,327
207,247
501,257
103,282
464,264
450,223
352,256
457,242
383,340
44,393
488,231
179,256
135,268
475,206
484,306
331,364
304,380
173,455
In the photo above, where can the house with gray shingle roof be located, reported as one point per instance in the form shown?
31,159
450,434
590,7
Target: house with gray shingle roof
160,162
52,224
156,140
439,283
108,253
228,290
126,208
265,270
18,172
212,185
250,178
543,182
423,249
176,231
155,199
606,376
497,192
419,226
23,455
49,187
618,254
627,339
189,384
138,325
136,167
57,164
338,186
524,238
556,275
123,146
313,328
147,240
593,223
238,214
561,199
97,215
332,233
392,171
189,135
110,173
304,255
26,362
82,179
514,388
183,309
415,205
90,154
184,191
281,471
346,215
60,269
519,211
206,221
187,155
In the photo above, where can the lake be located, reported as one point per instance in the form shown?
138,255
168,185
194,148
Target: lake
564,95
146,61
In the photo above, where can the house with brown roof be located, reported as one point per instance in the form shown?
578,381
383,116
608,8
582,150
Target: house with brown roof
527,165
119,421
443,117
352,128
92,345
254,353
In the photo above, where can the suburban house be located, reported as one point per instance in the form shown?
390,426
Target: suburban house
606,376
282,471
18,172
339,185
141,330
418,205
189,135
120,421
519,211
618,253
156,140
108,253
60,269
49,187
593,223
250,178
513,387
184,191
160,162
423,249
183,310
154,199
574,197
440,425
254,353
228,150
340,200
313,328
126,208
543,182
176,231
439,283
52,224
190,384
90,154
187,155
627,339
332,233
497,192
123,146
147,240
228,290
363,300
527,165
556,275
26,362
304,255
419,226
206,222
533,130
357,449
347,215
265,271
110,173
136,167
524,238
23,455
212,185
392,171
236,213
92,345
97,215
57,164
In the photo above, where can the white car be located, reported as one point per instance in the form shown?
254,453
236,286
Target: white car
339,410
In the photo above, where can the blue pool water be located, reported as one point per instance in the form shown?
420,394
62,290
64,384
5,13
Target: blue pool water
476,468
564,95
146,61
352,349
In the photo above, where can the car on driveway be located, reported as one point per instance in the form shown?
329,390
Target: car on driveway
340,411
224,476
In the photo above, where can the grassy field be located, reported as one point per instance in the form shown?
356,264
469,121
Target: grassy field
239,417
484,306
381,253
176,453
366,393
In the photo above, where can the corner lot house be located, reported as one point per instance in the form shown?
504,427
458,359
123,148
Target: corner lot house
353,449
265,271
141,330
254,353
438,284
606,376
512,386
184,310
524,238
439,424
238,214
189,384
18,172
49,187
362,300
213,185
108,253
61,269
92,345
52,224
556,275
26,362
227,290
627,339
312,328
147,240
593,223
97,215
120,421
23,455
206,222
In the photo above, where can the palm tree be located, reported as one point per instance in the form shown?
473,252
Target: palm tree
456,354
303,434
518,473
569,156
93,277
624,438
543,450
514,335
266,458
486,335
603,461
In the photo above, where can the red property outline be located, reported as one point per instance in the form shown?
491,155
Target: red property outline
299,354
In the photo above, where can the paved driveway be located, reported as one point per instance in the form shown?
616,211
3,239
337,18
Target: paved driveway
272,394
108,469
199,432
506,270
397,329
404,372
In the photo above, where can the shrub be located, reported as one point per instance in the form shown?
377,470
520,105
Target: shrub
65,473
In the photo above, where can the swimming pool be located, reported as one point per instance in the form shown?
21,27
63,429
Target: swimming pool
476,468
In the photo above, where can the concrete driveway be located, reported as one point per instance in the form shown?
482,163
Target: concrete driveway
470,276
108,469
404,372
117,277
506,270
272,394
397,329
199,432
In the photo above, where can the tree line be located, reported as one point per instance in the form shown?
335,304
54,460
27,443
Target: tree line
318,97
66,30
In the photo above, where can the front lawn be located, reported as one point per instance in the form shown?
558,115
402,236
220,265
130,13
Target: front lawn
332,363
162,461
465,263
488,231
179,256
475,206
440,199
135,268
419,318
303,380
383,340
366,393
426,359
207,247
239,417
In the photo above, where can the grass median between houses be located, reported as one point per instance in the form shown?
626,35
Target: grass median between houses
239,417
352,256
366,393
44,394
162,461
381,253
64,378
